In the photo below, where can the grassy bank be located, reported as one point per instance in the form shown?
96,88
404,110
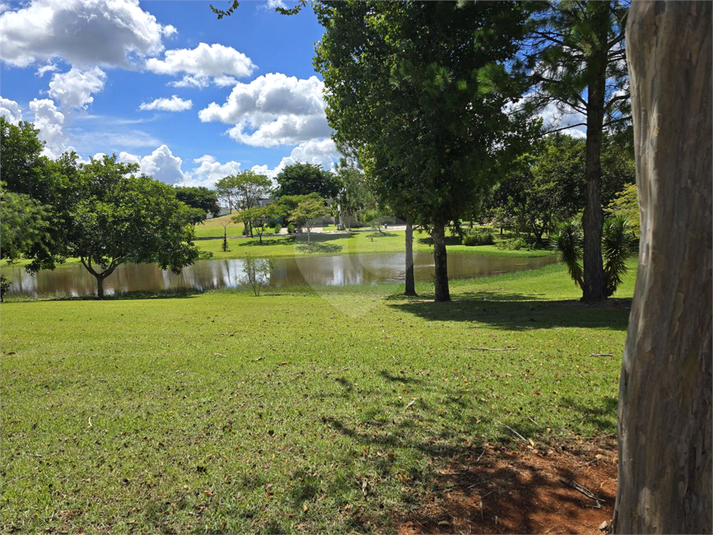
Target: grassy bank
345,243
308,410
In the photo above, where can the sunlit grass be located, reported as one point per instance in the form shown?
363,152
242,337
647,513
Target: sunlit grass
304,410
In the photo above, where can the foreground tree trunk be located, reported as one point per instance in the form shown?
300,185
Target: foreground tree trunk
441,262
665,481
100,286
410,279
595,288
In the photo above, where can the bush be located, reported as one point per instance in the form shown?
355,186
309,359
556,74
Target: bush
277,228
291,228
483,237
4,287
515,244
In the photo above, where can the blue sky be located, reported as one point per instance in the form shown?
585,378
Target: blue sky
167,85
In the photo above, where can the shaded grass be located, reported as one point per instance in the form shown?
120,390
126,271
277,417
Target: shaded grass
288,412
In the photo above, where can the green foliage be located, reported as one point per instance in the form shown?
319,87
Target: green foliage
23,224
626,205
243,190
257,272
305,179
569,241
200,198
118,218
617,241
258,218
516,244
404,95
480,237
355,196
309,208
291,228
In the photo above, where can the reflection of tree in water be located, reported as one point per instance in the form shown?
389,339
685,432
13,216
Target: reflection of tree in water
315,270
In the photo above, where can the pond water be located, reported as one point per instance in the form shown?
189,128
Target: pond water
343,270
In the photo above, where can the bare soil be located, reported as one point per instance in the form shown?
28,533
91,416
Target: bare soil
528,489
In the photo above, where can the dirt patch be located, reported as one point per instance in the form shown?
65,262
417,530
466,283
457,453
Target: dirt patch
556,489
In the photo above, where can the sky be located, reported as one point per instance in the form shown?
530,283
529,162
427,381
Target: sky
167,85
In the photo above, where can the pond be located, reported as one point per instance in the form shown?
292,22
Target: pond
343,270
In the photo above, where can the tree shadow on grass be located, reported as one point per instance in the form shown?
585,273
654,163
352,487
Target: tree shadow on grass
516,312
319,248
255,242
463,482
118,296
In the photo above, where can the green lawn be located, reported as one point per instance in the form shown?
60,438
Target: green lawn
344,243
304,410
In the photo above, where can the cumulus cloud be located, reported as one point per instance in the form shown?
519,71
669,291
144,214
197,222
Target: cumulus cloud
49,67
202,65
321,152
174,103
557,116
50,122
273,109
209,170
161,164
74,89
10,110
82,32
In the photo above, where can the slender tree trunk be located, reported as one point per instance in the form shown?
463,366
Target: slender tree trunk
441,261
410,279
100,286
665,428
593,220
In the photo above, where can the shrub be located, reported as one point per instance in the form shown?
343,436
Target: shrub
4,287
515,244
291,228
277,228
482,237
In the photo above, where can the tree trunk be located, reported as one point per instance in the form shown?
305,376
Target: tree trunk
595,288
410,279
441,261
665,429
100,286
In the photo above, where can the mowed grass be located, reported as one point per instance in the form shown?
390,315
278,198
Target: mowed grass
344,243
304,410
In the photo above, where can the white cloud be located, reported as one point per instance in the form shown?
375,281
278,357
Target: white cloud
321,152
203,64
210,170
73,89
273,109
272,4
557,116
10,110
50,122
49,67
167,104
161,164
82,32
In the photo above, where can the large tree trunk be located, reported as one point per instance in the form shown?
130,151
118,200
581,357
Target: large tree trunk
410,279
665,481
595,288
441,261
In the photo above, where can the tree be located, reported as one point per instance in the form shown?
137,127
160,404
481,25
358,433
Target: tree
259,217
665,394
426,84
355,194
23,224
626,205
21,159
309,208
118,218
579,66
199,197
243,190
305,178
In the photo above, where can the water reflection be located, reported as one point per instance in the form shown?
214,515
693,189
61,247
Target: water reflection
213,274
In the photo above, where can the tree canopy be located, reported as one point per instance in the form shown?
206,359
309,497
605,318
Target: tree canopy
305,178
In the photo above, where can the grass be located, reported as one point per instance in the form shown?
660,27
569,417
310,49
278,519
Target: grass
303,410
345,243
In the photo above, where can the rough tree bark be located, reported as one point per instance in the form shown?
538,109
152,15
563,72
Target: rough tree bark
595,288
440,260
665,428
410,279
100,276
